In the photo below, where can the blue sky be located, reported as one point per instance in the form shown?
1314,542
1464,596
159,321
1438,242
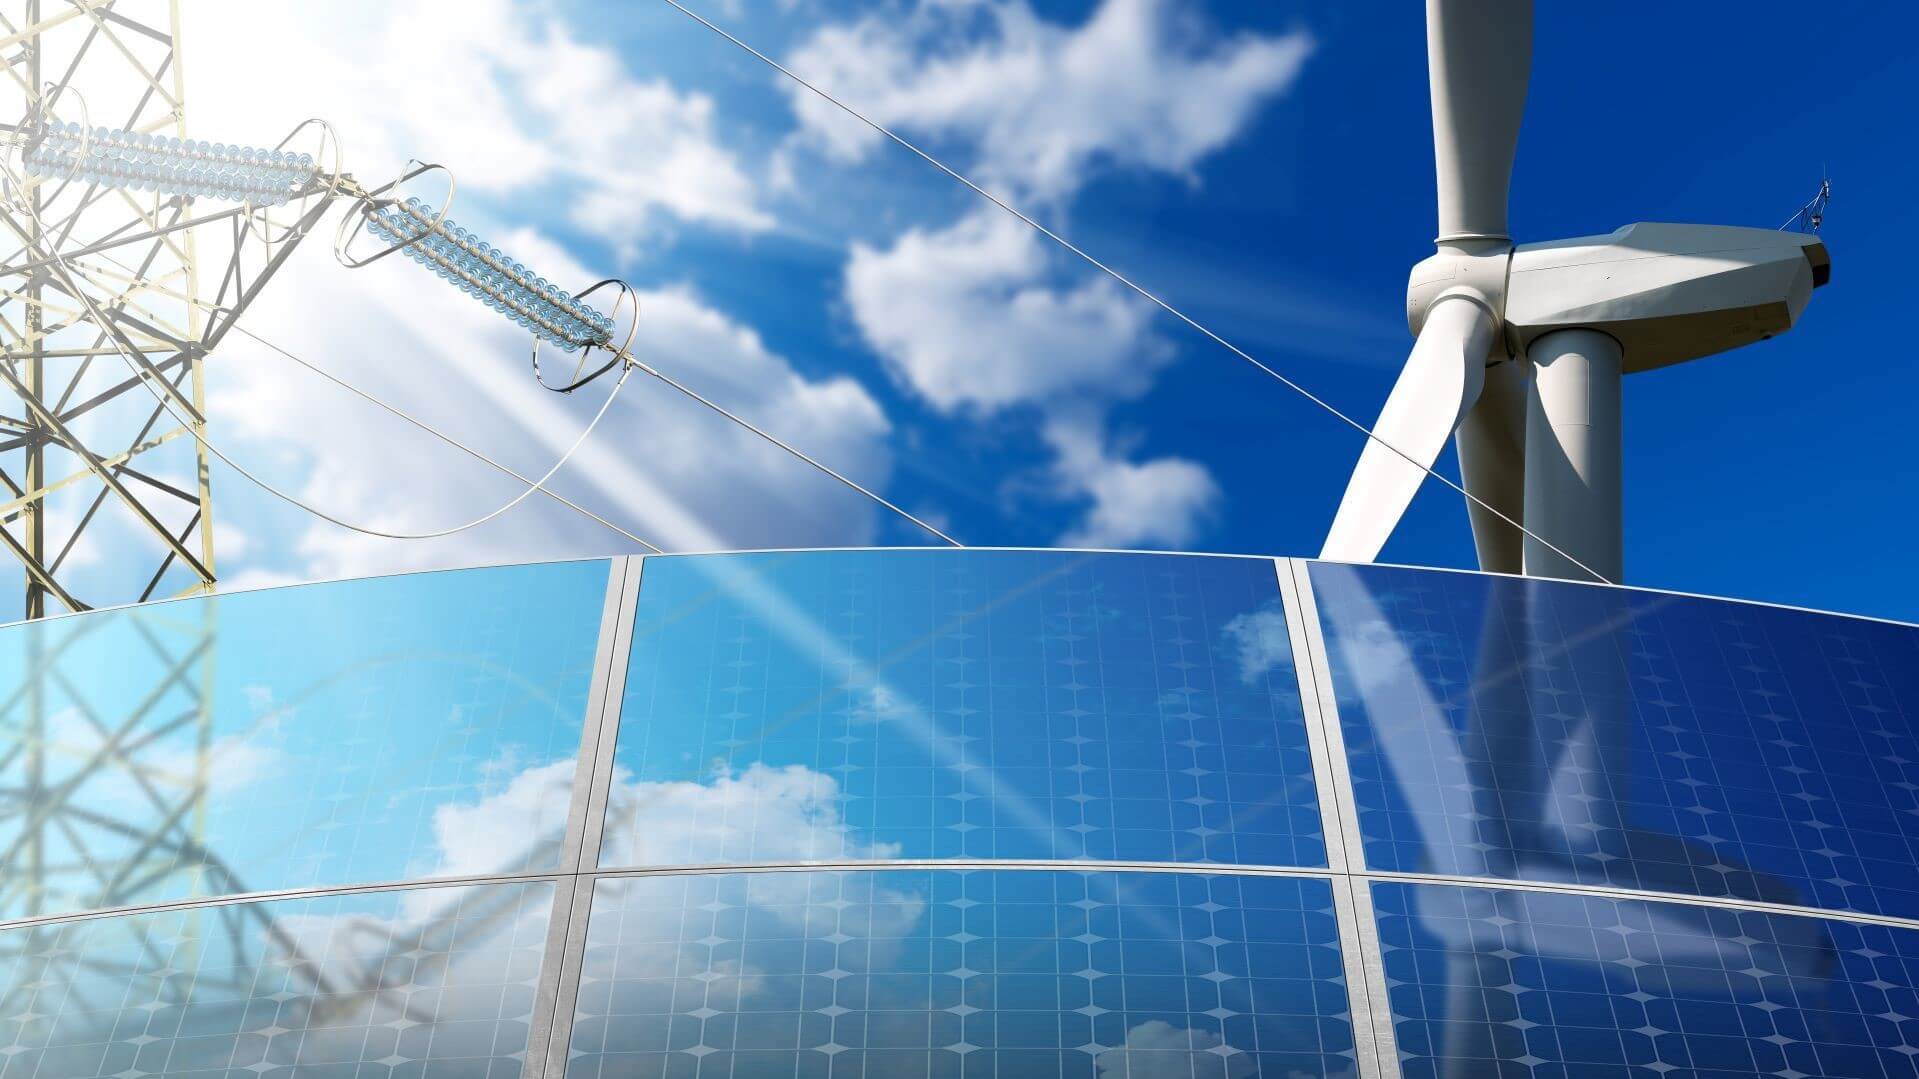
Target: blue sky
1265,167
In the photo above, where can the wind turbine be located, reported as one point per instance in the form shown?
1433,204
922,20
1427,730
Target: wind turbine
1519,351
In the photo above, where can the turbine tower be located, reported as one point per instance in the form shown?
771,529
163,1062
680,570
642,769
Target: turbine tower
1519,350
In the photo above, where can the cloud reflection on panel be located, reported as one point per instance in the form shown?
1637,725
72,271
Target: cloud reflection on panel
984,704
430,982
1157,1049
341,734
904,973
758,814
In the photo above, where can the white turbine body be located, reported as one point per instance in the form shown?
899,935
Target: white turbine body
1519,351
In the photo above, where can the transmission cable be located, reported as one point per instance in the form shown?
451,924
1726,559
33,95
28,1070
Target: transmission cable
370,398
748,425
428,237
446,438
243,174
1128,282
112,332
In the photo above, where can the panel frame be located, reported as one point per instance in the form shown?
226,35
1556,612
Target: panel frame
1312,660
609,688
1365,964
557,995
1368,1001
593,726
579,873
1331,782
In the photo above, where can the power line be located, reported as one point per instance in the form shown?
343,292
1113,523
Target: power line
213,308
448,439
463,260
112,332
621,356
1153,298
411,226
716,407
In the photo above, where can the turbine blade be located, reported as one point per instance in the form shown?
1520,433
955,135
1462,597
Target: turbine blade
1479,56
1492,467
1441,380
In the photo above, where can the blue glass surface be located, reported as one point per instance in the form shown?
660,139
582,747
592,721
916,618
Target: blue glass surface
408,984
385,729
981,704
952,973
1502,983
1556,732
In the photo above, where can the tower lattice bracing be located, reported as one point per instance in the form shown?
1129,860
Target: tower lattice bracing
112,295
87,449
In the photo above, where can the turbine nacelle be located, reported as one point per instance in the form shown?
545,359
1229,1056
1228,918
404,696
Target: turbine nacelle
1666,293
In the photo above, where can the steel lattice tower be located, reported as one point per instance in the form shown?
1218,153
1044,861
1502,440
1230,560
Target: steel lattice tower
103,313
124,63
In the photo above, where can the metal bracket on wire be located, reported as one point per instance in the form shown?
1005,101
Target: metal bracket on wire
1813,213
620,353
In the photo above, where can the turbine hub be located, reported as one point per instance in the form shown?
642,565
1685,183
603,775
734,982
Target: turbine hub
1475,270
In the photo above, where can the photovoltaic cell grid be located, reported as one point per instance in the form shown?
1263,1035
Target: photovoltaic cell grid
290,738
961,973
1504,983
975,704
1564,733
426,984
999,705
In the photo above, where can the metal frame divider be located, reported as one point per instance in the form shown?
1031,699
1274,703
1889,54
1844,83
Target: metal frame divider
1373,1040
1332,814
550,1031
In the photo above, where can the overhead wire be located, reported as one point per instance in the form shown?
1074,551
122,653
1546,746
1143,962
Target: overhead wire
748,425
111,331
633,363
461,274
394,410
448,439
54,259
1128,282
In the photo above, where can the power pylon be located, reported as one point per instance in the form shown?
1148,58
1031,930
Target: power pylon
102,315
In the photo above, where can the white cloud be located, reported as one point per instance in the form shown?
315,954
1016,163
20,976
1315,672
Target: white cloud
658,464
1163,502
1139,85
979,315
635,144
756,814
513,98
984,316
504,92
